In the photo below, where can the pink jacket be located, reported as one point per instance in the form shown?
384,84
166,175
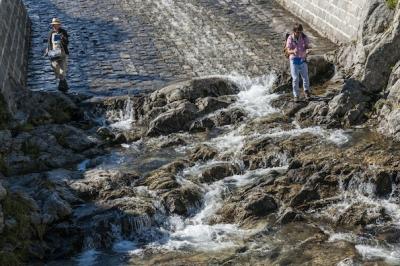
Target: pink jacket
301,44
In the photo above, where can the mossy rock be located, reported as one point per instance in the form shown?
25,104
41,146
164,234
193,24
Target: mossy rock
17,238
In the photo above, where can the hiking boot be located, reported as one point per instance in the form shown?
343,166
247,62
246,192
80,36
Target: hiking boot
63,86
307,94
296,99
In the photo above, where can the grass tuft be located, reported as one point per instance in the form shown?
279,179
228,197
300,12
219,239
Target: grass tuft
391,3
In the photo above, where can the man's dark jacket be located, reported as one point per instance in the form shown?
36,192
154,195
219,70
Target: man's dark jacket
64,40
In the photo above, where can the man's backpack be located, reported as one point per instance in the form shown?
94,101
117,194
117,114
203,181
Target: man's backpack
285,49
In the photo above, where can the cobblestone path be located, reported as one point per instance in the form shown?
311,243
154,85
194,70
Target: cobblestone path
126,46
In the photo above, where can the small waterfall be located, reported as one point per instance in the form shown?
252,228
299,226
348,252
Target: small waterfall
122,118
359,192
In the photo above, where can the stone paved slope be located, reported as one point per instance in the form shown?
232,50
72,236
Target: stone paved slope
121,46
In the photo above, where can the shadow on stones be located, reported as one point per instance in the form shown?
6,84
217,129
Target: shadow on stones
95,65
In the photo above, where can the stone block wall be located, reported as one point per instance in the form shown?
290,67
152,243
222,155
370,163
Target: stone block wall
14,50
336,19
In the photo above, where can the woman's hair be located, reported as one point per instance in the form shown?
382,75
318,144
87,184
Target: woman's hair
297,27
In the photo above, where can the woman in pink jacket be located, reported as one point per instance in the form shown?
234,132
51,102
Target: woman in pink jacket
297,45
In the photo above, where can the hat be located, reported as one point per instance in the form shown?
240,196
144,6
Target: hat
55,21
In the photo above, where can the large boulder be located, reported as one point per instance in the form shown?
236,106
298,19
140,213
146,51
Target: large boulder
173,120
361,215
203,152
217,172
102,184
176,107
182,200
389,113
377,23
319,69
247,205
383,183
351,106
195,89
305,195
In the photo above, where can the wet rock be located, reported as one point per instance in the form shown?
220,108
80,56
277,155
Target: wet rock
361,215
175,141
182,200
195,89
294,164
105,132
263,153
202,124
62,240
228,117
290,215
218,171
320,70
47,147
175,166
351,105
203,152
103,183
5,141
259,204
52,108
247,205
3,192
389,122
174,120
314,113
287,104
383,182
73,138
389,234
160,179
55,208
305,195
131,215
210,104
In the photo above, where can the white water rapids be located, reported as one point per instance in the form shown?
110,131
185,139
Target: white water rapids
194,232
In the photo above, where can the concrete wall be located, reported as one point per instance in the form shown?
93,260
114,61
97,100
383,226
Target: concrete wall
336,19
14,49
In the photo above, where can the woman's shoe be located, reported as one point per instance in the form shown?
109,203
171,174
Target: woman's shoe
308,95
63,86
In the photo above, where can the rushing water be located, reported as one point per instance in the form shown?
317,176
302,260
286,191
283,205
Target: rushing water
195,233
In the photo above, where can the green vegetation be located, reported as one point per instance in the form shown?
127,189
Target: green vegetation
17,237
391,3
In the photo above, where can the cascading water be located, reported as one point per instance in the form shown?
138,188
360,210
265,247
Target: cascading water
195,232
124,117
359,192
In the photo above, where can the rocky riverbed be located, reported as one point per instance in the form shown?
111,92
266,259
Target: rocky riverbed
213,170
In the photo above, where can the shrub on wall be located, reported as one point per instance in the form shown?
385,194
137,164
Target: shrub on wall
391,3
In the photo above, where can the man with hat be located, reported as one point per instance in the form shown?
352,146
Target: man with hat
57,51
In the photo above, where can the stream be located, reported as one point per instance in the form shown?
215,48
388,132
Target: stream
195,239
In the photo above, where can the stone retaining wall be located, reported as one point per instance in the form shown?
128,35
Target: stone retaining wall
336,19
14,49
